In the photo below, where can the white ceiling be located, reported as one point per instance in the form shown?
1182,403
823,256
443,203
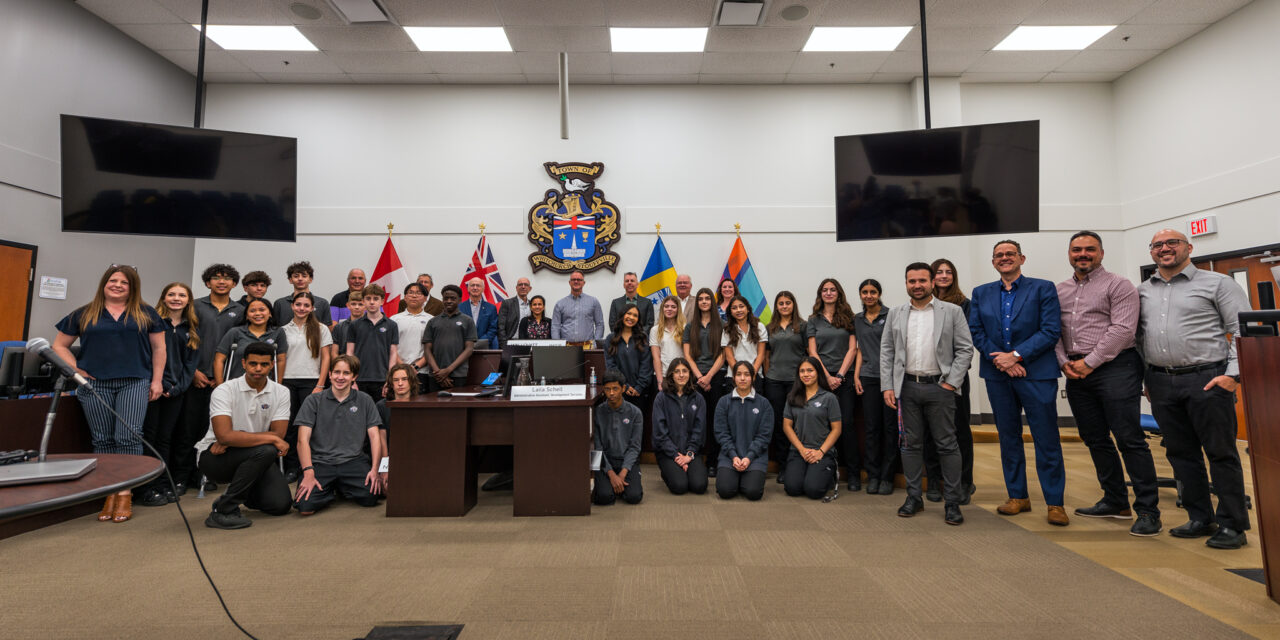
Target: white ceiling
961,36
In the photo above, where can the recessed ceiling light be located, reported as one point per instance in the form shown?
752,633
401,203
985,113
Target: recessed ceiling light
258,38
855,38
648,40
1052,38
459,38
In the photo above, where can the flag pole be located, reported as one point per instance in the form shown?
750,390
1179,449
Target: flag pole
737,228
390,226
658,228
481,228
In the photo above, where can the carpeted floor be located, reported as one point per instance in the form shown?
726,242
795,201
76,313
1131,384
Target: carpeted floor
678,567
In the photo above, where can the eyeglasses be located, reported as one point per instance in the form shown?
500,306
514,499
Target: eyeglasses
1172,243
1006,254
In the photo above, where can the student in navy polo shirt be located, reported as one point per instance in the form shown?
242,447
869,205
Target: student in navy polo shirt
744,427
164,414
332,429
373,339
619,425
122,350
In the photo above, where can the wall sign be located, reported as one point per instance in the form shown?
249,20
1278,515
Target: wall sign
574,228
1202,226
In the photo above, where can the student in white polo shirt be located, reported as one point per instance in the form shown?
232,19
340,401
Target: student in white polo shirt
412,323
248,416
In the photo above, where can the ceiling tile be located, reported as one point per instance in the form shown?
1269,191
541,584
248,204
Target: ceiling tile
1021,61
381,61
1187,11
257,12
464,63
574,78
839,62
655,79
166,36
1090,61
939,63
558,38
660,13
827,78
129,11
971,38
359,37
980,12
1085,12
757,38
482,78
289,62
306,78
895,78
443,13
223,78
394,78
1056,76
872,13
747,63
1146,36
559,13
546,62
741,78
656,64
775,7
1002,77
214,61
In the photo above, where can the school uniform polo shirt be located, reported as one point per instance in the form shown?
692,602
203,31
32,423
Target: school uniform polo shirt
448,337
250,410
338,428
812,422
373,346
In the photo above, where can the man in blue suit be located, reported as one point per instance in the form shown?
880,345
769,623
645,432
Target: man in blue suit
483,313
1015,322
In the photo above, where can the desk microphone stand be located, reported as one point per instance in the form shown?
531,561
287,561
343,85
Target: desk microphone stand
43,470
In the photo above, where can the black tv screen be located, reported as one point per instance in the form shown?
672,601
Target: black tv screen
939,182
162,180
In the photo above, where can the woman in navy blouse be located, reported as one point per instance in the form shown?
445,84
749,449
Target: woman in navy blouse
122,349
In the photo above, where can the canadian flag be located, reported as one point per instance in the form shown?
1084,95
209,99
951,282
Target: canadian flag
391,276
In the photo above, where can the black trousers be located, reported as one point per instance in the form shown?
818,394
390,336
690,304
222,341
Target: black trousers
775,392
679,481
162,421
730,482
458,381
964,439
1107,404
372,387
346,478
191,428
881,429
253,479
603,493
850,443
720,385
1198,424
803,479
299,389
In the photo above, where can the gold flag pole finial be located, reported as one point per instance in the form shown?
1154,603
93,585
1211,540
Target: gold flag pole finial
658,228
390,226
737,228
481,228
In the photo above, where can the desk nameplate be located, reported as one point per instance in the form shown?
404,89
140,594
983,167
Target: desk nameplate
549,392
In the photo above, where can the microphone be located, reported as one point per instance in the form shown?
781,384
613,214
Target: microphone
40,347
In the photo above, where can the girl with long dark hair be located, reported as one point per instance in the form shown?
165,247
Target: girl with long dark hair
946,287
259,325
811,420
744,426
787,346
832,341
679,426
880,423
702,349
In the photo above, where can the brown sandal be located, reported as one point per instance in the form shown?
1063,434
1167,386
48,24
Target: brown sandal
123,508
108,508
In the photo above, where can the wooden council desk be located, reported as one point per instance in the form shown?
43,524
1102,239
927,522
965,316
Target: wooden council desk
434,466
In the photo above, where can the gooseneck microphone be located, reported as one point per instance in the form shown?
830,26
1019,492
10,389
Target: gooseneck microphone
41,347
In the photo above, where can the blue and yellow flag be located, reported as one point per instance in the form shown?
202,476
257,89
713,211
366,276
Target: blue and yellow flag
659,278
739,269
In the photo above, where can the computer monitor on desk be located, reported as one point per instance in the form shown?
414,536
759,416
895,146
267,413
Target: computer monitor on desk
557,364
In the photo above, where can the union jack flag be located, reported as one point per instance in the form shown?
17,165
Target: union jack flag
483,266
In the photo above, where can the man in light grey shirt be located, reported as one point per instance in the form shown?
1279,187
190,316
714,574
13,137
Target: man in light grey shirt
577,317
1186,315
925,352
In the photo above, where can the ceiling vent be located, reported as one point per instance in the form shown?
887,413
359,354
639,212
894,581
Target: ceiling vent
360,11
738,13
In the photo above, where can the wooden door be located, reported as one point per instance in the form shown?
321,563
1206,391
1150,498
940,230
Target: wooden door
1255,277
18,264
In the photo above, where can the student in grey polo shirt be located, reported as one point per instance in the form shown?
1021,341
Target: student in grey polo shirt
619,425
881,424
332,428
811,421
447,343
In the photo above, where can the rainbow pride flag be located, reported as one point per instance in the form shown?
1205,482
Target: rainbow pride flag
739,269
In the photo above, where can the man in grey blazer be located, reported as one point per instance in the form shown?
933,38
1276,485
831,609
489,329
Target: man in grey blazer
512,311
924,354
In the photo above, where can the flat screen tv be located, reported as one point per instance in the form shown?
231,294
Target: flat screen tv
939,182
162,180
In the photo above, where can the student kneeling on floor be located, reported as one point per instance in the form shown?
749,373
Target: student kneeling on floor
332,428
618,427
744,428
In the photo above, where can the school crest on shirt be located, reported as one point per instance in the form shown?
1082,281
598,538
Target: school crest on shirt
574,228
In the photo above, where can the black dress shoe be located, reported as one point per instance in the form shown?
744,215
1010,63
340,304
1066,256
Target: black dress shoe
952,514
933,494
1227,539
711,471
233,520
180,489
1104,510
152,498
873,485
886,488
855,484
291,476
912,506
1194,529
1147,525
965,497
210,486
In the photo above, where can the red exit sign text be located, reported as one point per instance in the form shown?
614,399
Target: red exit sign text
1202,226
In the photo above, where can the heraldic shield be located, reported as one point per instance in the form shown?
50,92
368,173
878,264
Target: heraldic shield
574,228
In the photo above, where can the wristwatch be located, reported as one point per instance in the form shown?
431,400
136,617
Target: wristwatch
1236,378
1017,355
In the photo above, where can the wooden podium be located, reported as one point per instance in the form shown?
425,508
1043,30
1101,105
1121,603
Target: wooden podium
1259,359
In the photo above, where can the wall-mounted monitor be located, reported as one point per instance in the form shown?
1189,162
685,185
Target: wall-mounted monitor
162,180
939,182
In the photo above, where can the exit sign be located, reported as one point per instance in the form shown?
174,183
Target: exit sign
1202,226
